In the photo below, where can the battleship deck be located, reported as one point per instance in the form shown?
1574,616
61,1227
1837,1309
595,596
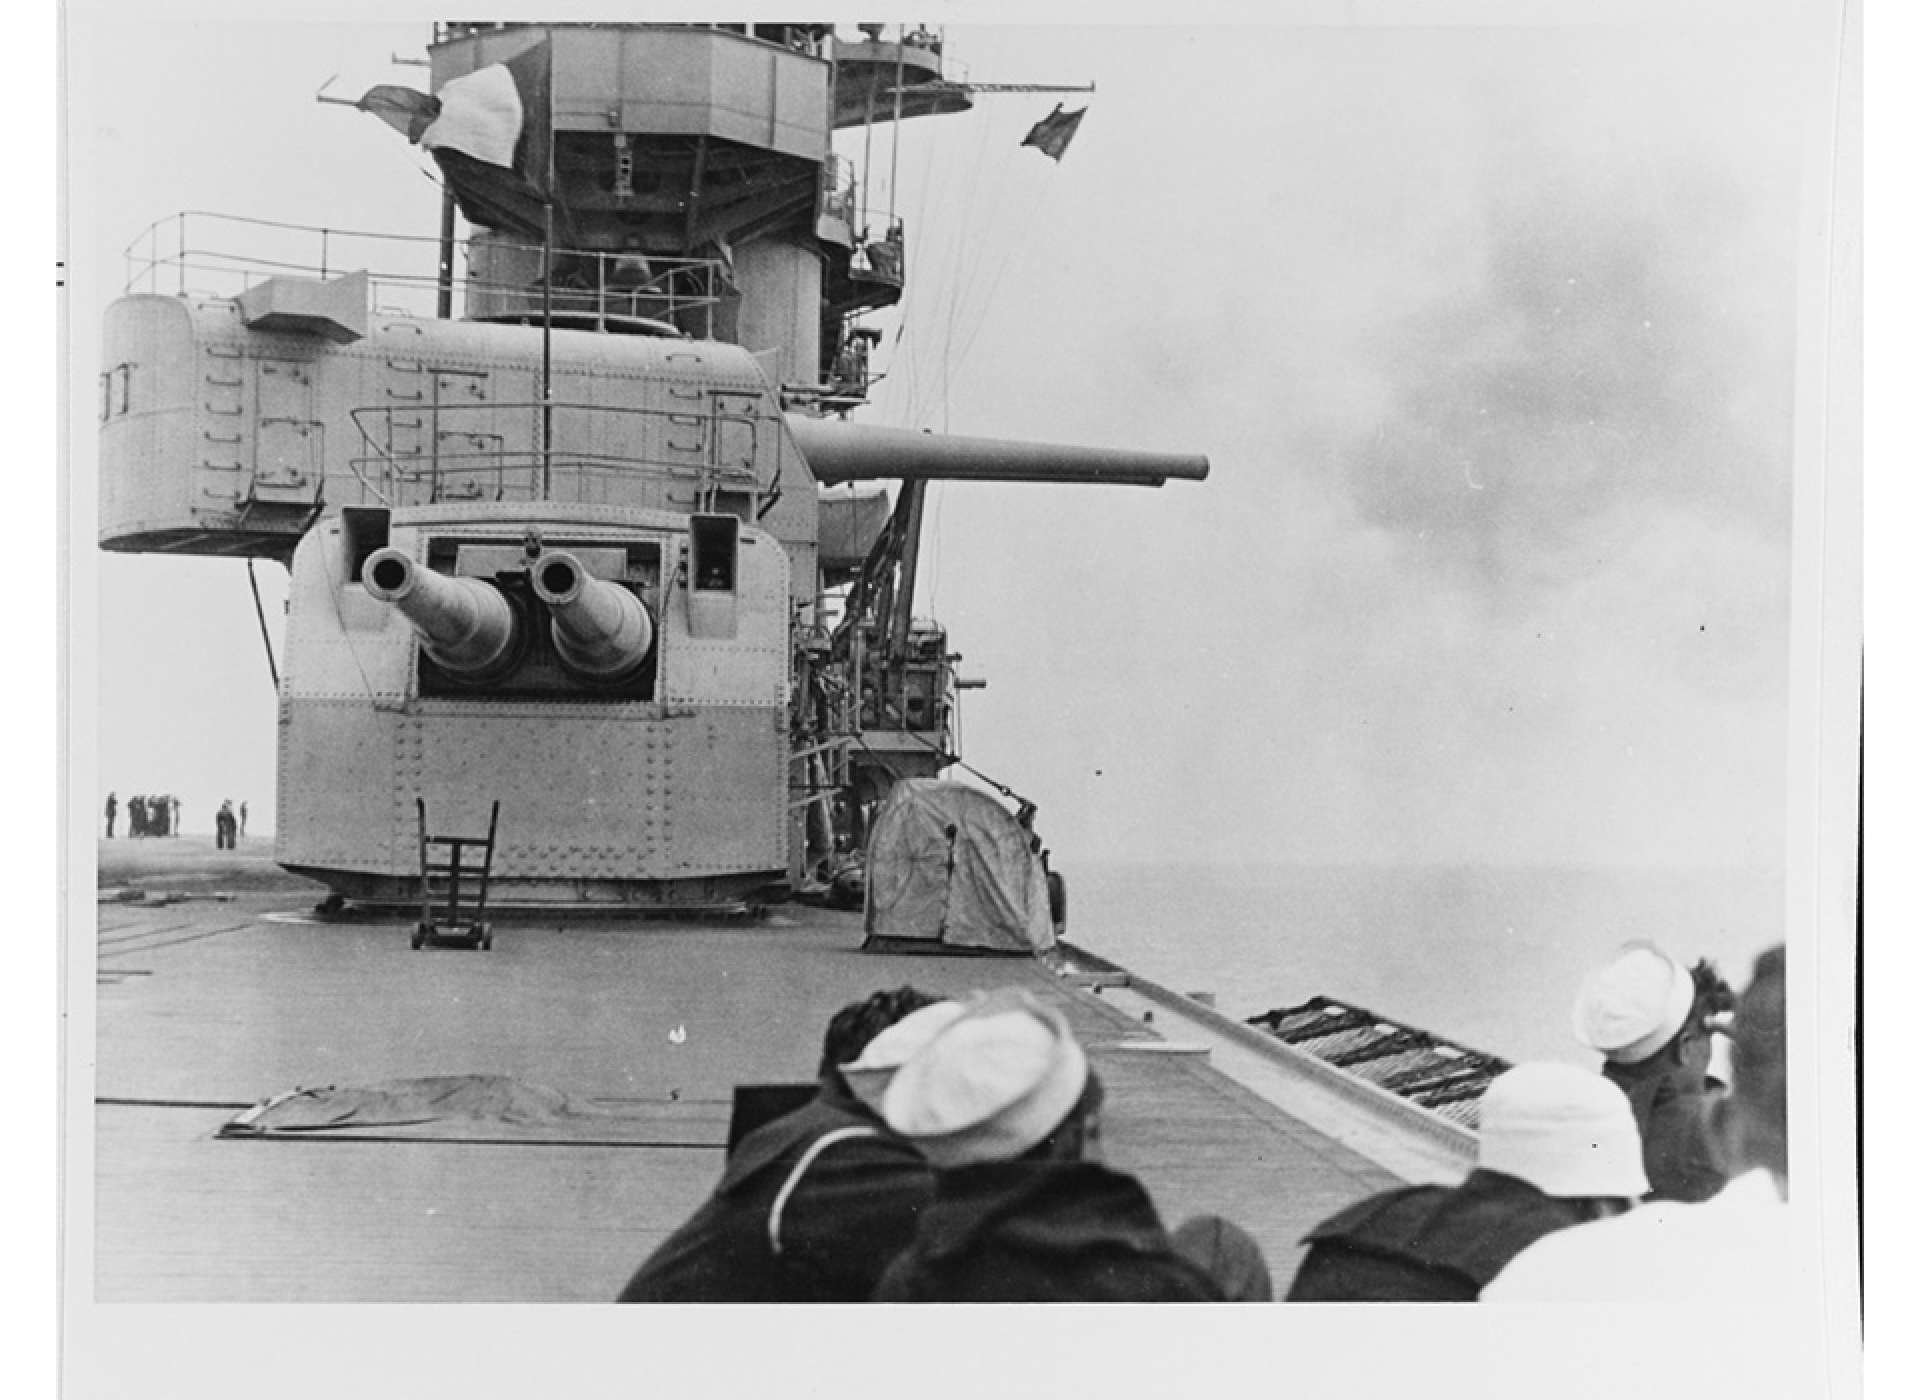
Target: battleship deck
210,1004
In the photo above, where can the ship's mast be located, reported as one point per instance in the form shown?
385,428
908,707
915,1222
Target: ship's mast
696,183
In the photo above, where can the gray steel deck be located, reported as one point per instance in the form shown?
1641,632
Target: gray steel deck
207,1006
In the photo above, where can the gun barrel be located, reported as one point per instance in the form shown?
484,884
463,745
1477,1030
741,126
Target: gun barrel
839,451
465,624
600,630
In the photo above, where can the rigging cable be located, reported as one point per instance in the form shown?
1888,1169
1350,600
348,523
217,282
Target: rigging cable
1035,208
954,759
266,640
972,319
963,286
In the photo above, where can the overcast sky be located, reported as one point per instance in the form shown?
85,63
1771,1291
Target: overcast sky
1489,333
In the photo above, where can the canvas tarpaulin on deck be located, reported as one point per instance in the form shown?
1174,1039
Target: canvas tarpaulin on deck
477,1108
949,868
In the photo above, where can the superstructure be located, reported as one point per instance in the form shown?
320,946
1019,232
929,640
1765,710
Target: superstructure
554,504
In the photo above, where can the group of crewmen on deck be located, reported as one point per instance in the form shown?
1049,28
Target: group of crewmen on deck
952,1154
159,815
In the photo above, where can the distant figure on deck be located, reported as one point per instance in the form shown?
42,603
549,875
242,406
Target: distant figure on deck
136,815
113,809
173,814
1733,1249
223,824
1007,1110
812,1206
1654,1021
1558,1148
243,818
157,812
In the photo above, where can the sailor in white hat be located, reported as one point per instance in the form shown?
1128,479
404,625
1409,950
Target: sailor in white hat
1564,1130
1735,1251
1655,1022
870,1074
1004,1105
1632,1008
1558,1148
812,1205
994,1085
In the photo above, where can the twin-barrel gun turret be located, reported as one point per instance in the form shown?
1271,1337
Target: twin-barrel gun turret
474,631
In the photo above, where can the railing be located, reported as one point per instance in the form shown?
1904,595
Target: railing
840,189
191,253
608,290
500,471
802,38
882,259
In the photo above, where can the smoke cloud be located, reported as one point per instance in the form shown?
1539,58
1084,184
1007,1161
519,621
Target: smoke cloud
1598,373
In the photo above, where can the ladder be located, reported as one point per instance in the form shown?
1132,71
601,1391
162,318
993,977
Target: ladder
444,922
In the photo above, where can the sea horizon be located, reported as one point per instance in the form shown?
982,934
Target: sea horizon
1487,954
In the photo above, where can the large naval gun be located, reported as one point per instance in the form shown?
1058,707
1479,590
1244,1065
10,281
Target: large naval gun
575,551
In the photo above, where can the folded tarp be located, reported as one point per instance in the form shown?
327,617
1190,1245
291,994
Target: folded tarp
478,1108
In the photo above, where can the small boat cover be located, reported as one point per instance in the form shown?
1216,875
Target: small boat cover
949,869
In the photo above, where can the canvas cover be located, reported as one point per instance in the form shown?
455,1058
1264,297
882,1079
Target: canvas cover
475,1108
949,868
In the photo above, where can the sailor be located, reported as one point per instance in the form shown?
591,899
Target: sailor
850,367
136,815
1733,1249
223,826
1228,1255
113,807
886,256
1007,1110
243,818
812,1206
1558,1148
1654,1021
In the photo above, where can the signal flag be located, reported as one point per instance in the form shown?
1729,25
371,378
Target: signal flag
490,132
1053,132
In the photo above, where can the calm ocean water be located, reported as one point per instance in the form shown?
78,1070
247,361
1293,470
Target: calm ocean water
1488,956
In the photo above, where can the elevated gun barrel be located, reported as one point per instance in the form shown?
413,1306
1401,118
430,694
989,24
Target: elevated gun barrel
838,451
465,624
600,630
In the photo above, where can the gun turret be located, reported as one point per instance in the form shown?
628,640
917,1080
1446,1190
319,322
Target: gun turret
838,451
466,625
600,630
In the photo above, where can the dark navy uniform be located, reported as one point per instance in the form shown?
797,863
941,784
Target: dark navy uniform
1031,1231
1427,1244
1672,1105
811,1208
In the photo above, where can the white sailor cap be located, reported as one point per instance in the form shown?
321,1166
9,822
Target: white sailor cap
1566,1130
1634,1005
991,1086
869,1075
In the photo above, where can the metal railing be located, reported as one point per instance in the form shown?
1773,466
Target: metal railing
490,468
840,189
201,253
